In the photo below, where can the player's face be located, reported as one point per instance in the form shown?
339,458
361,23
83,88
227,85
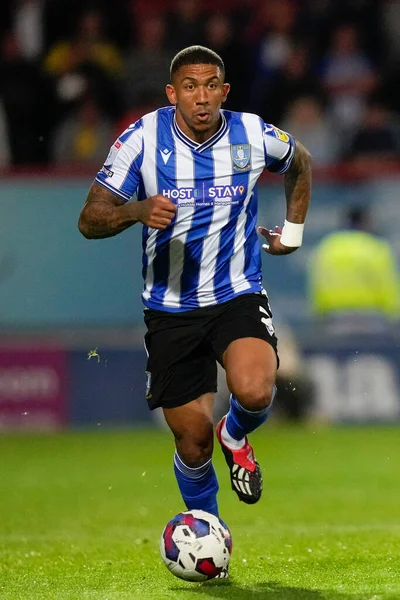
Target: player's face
198,92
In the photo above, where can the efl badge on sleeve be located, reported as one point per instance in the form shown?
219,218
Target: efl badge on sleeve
241,154
275,131
281,135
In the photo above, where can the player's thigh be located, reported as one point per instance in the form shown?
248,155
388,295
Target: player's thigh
246,345
181,365
250,365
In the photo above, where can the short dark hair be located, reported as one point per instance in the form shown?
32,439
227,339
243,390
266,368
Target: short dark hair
196,55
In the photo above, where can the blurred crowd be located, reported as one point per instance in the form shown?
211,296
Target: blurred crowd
75,73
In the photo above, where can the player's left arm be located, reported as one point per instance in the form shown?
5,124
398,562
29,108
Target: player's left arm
297,191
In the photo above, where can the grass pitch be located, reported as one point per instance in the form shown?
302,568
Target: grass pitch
81,515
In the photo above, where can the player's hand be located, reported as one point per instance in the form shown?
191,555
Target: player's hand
157,212
273,241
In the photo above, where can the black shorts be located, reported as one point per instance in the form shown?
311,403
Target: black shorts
183,347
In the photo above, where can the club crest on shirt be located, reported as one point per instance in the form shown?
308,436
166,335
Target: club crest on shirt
241,155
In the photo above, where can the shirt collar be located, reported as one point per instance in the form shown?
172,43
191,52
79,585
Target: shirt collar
195,145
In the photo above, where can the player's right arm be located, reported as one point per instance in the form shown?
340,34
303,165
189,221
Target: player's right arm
109,208
105,214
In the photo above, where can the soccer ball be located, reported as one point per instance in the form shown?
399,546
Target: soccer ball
196,545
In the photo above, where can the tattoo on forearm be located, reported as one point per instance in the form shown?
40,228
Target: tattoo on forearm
298,186
99,217
99,220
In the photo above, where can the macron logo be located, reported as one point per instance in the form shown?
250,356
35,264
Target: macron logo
165,155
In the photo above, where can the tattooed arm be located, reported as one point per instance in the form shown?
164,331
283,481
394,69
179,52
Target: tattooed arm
297,192
298,185
105,215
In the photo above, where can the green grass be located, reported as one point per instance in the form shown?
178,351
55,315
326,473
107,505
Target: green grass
81,515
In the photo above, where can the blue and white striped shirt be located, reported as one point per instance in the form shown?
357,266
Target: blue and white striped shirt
210,252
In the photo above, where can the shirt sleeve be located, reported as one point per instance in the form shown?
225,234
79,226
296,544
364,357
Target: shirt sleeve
279,148
120,173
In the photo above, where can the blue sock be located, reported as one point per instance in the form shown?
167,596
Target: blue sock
198,486
240,422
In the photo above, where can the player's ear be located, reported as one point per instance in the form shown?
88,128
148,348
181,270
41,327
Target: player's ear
226,89
171,94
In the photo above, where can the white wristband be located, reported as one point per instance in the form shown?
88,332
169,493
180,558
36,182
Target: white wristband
292,234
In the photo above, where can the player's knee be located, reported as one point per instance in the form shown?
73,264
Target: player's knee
195,449
255,395
195,453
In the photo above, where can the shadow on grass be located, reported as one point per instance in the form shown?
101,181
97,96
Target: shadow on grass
266,591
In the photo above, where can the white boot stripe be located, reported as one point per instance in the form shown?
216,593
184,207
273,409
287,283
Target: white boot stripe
235,483
242,487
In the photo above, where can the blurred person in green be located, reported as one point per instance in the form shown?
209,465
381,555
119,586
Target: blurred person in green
353,278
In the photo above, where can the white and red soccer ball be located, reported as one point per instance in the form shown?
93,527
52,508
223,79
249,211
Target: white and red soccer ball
196,545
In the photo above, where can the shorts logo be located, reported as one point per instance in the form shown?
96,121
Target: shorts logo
267,321
241,154
148,385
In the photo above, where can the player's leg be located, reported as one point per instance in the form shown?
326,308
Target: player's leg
192,427
249,357
250,365
182,380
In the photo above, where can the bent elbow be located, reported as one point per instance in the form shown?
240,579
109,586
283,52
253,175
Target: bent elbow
302,157
85,231
306,158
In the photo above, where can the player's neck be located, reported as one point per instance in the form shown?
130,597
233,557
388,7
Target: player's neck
196,136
